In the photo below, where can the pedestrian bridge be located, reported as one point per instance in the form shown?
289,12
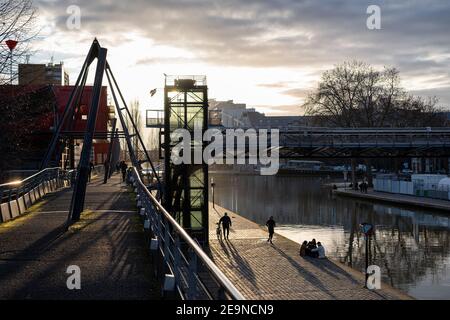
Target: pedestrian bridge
316,142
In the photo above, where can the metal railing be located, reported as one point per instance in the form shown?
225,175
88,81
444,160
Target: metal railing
370,137
17,196
195,275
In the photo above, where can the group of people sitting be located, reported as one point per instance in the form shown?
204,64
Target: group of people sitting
312,249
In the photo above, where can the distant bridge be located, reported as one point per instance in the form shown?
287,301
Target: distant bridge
304,142
297,142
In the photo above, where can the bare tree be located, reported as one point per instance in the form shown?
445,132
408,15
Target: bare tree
17,22
354,94
137,120
336,99
136,116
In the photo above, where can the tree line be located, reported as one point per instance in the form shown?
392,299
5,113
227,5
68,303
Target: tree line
355,94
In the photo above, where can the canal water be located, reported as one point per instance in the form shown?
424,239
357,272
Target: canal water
411,246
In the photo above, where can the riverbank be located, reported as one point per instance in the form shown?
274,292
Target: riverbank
428,203
264,271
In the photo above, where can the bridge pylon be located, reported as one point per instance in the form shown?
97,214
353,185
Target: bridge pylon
129,128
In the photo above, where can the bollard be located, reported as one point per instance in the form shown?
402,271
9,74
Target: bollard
169,282
154,244
142,212
146,224
168,286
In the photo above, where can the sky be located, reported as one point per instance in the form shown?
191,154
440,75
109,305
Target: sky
266,53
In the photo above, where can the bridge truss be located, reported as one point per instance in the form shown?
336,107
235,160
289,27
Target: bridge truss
64,130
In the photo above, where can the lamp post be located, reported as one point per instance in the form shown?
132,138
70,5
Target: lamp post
212,188
367,230
11,45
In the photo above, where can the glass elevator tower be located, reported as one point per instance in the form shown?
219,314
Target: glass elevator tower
186,185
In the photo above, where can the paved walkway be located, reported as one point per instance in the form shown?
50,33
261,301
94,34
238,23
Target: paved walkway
397,199
263,271
107,244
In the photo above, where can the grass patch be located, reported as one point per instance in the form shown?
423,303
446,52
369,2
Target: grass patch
23,217
85,219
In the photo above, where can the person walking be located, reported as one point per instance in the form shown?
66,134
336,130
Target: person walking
271,228
226,224
123,168
91,167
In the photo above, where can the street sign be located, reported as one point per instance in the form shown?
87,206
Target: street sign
366,228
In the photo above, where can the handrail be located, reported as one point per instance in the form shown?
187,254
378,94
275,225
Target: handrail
15,189
21,182
215,271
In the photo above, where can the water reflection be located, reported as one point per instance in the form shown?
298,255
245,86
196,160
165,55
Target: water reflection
410,246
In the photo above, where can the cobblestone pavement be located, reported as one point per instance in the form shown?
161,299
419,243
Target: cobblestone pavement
264,271
107,244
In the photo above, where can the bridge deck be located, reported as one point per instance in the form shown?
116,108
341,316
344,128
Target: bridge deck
107,244
263,271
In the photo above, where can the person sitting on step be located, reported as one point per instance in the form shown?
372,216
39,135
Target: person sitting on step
320,250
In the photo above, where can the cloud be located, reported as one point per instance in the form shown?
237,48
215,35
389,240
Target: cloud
442,93
291,34
271,33
281,110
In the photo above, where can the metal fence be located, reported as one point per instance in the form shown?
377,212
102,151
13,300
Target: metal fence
396,186
186,269
18,196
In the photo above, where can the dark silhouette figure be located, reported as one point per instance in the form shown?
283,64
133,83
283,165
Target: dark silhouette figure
310,247
106,165
123,168
226,224
303,248
91,167
271,228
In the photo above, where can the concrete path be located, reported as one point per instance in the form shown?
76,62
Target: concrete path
264,271
423,202
107,244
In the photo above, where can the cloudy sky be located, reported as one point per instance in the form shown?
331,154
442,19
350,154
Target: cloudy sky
266,53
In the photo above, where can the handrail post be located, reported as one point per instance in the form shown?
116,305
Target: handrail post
166,243
192,287
9,202
179,263
176,260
